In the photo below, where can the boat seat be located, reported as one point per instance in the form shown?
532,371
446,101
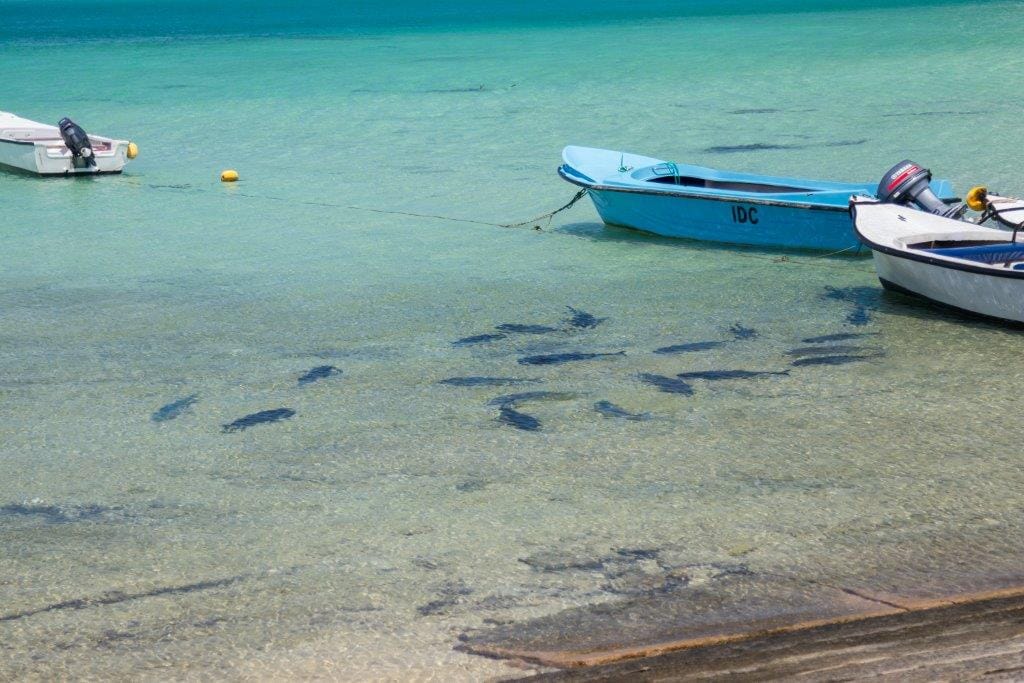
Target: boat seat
992,254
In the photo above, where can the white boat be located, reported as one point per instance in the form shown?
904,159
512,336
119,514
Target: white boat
64,149
945,259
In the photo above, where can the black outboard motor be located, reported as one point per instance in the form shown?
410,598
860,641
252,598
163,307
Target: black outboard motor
907,183
78,142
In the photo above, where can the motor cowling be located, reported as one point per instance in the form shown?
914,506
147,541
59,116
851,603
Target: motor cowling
77,141
908,184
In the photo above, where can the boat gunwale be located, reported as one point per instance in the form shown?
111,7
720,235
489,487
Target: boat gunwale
709,197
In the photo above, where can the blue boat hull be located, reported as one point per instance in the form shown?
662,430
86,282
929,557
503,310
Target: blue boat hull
694,202
734,222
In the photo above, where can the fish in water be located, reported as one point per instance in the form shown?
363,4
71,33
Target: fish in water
932,113
755,147
609,409
264,416
740,332
825,350
478,339
513,418
317,373
686,348
486,381
840,359
525,329
845,143
583,319
712,375
556,358
509,400
842,336
174,409
764,146
859,316
670,385
479,88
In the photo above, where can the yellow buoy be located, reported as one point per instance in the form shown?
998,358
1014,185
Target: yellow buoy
977,198
229,176
133,150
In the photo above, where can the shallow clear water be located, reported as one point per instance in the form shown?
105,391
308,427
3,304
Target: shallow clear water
358,538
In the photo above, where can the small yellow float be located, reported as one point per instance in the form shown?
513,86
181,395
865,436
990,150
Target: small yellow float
977,198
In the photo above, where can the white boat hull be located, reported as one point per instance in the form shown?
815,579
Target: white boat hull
969,267
981,294
38,148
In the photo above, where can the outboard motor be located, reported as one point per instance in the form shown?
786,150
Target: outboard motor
78,142
907,183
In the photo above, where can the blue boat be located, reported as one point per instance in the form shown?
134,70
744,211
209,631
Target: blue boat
693,202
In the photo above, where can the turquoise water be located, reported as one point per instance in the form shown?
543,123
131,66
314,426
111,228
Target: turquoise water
358,538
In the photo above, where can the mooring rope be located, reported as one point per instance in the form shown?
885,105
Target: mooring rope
576,197
535,221
807,260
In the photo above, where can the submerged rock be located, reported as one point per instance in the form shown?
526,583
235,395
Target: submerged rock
560,561
449,595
